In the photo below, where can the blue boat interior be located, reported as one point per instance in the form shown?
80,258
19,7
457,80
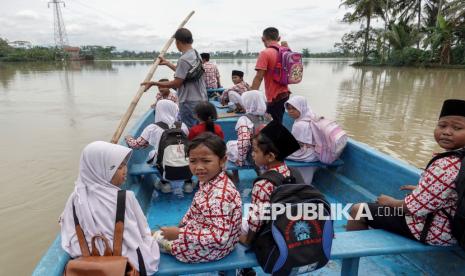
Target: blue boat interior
364,175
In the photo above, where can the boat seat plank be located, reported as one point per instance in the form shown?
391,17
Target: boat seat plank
139,169
348,246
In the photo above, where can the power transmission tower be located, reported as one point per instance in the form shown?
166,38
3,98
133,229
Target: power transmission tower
61,39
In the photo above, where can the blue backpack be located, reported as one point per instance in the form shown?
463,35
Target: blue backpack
285,246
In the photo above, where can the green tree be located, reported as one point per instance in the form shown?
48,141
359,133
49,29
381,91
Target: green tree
305,53
364,10
409,9
401,35
441,40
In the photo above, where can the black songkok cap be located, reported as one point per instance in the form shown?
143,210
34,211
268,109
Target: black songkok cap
453,107
282,139
238,73
205,56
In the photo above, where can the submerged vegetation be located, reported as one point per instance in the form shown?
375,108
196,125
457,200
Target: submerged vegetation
415,32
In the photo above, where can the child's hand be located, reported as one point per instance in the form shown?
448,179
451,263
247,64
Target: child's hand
385,200
408,187
243,239
170,233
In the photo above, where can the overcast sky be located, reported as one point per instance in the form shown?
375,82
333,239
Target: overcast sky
146,24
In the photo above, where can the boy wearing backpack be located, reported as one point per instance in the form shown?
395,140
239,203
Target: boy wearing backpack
434,213
279,67
283,245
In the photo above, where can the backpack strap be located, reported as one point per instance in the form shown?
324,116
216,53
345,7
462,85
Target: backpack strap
119,230
80,235
278,179
119,223
459,186
162,125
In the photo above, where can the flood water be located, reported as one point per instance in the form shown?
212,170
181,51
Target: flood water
49,112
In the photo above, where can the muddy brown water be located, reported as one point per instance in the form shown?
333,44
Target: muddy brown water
49,112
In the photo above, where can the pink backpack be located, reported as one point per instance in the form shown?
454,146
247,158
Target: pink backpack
289,68
330,139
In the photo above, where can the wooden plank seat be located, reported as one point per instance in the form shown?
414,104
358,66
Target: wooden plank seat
347,246
139,169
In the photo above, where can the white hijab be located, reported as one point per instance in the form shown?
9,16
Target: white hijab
166,111
94,198
254,102
301,129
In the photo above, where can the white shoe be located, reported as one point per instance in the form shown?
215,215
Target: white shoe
157,184
165,187
188,187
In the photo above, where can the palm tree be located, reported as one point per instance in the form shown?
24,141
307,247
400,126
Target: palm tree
409,9
442,39
364,10
401,35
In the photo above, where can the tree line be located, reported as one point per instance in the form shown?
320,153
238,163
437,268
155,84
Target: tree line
415,32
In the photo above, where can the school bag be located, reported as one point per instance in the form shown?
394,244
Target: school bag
457,222
289,68
329,139
172,161
111,263
282,245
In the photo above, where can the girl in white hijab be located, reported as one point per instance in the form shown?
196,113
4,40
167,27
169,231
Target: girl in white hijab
302,114
254,103
166,112
102,170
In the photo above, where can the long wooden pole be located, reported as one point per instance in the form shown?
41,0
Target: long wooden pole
135,100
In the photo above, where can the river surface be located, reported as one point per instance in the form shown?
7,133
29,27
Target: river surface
49,112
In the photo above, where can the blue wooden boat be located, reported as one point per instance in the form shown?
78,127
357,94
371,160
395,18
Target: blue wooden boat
365,173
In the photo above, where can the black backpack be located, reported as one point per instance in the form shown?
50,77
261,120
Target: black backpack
283,246
196,71
172,161
458,221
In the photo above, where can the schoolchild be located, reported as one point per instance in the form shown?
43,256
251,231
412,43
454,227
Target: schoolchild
270,147
300,111
165,94
232,95
212,74
206,114
255,107
434,196
102,171
166,113
211,227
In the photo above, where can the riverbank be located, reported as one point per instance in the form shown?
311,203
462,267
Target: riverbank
419,66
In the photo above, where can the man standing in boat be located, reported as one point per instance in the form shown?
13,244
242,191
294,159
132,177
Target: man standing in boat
276,93
188,77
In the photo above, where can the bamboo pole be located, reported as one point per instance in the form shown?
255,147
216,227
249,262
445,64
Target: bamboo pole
135,100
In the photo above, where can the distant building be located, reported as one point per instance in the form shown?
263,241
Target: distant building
73,52
20,44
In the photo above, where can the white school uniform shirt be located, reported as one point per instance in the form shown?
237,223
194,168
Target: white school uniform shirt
94,198
254,102
166,111
302,131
